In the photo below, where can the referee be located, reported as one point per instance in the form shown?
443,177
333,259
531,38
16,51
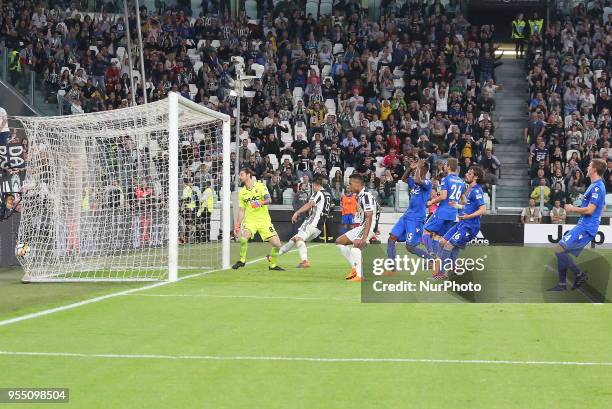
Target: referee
518,35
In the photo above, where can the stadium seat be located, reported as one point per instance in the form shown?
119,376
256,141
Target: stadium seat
196,66
298,92
326,71
288,197
116,60
320,158
330,104
316,69
201,44
287,137
380,170
252,147
250,8
300,128
404,197
398,73
193,90
259,69
214,99
379,160
348,172
94,48
286,157
332,172
273,161
325,9
609,202
487,201
338,48
215,44
398,83
312,8
570,152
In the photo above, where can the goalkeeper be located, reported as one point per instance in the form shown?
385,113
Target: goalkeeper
253,218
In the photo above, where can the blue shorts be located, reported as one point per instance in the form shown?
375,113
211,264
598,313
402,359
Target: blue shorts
4,137
439,226
461,234
347,219
575,240
409,231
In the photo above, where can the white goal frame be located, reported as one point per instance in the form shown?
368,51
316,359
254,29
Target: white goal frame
175,102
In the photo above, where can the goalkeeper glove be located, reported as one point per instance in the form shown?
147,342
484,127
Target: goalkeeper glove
255,204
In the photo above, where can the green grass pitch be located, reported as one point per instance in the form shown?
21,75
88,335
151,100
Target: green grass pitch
302,339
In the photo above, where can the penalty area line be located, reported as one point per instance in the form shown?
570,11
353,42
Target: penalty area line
113,295
255,297
301,359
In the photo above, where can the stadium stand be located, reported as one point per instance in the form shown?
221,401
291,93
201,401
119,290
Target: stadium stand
353,94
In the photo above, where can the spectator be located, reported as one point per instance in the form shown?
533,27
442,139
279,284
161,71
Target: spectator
348,209
531,214
557,213
4,128
274,188
541,193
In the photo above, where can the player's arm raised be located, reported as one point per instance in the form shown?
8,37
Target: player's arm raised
360,241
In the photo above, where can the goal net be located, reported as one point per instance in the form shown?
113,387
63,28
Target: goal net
140,193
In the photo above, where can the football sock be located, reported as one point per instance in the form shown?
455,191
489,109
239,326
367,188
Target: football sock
447,261
286,247
418,251
356,253
273,257
427,240
454,254
244,244
391,251
562,266
346,252
301,247
571,265
435,247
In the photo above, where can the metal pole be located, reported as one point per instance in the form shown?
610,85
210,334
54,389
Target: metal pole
142,66
237,160
32,81
494,198
129,50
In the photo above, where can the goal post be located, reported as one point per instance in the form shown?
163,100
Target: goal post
133,194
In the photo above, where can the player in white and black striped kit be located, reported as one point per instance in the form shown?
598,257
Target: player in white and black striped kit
368,213
319,206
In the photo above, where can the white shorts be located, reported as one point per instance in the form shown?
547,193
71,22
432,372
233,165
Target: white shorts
308,232
353,234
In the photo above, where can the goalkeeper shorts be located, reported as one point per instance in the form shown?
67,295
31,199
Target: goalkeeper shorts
266,230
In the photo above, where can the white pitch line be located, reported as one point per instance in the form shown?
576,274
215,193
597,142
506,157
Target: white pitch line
301,359
256,297
112,295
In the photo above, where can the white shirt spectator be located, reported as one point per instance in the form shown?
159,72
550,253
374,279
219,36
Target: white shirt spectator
3,121
39,19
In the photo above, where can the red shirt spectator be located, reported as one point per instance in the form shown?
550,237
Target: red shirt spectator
388,160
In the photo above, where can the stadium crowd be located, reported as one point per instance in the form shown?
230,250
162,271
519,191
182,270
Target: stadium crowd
336,95
570,102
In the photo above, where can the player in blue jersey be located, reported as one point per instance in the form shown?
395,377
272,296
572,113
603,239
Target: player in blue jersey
468,227
409,228
577,238
452,189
